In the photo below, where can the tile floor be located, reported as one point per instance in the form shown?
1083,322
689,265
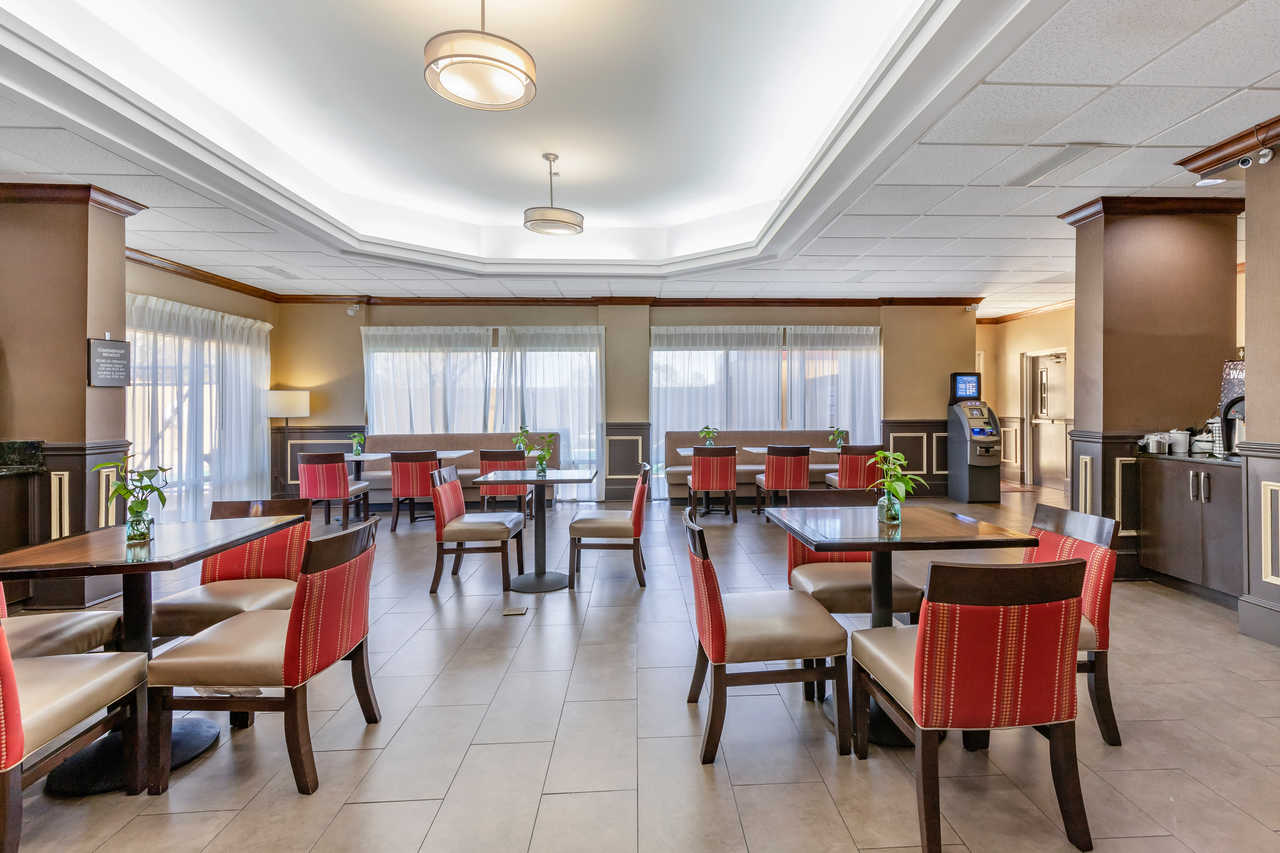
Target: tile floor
566,729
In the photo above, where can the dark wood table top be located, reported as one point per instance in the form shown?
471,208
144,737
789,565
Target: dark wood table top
923,528
554,476
105,552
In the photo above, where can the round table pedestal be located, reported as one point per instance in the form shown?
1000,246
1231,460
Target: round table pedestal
545,582
99,767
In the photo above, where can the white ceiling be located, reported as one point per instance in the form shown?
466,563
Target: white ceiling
1060,103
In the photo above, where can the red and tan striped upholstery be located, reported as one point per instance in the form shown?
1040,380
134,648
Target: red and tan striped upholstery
449,504
412,479
323,482
710,608
11,737
783,473
855,471
987,667
330,616
713,473
1099,572
277,555
798,554
488,464
637,505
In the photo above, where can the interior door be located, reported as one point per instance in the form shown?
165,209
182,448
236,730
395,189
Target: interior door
1050,409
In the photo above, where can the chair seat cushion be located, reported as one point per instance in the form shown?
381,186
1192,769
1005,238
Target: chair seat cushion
32,635
602,524
832,480
1088,636
781,625
55,693
483,527
246,650
822,468
760,481
846,587
192,610
889,655
357,487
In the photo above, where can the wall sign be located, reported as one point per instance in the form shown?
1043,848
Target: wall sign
109,363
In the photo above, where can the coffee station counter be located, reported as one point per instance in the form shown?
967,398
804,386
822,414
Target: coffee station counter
1203,458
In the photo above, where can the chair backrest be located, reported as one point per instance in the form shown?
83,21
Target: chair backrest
855,471
12,743
798,554
411,473
638,500
1064,534
786,466
706,592
503,460
276,555
446,498
715,468
996,646
330,613
322,476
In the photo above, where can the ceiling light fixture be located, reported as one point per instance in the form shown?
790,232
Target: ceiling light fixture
479,70
552,219
1210,182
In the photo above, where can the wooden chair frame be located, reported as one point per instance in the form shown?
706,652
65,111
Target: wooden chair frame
360,502
525,500
722,679
410,456
577,544
784,450
730,497
959,583
438,478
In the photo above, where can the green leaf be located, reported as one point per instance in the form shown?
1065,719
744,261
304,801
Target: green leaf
162,498
138,506
899,489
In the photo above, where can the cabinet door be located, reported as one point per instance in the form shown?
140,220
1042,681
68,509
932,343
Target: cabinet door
1223,522
1171,521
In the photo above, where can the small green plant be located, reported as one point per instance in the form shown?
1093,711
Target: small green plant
543,451
137,488
521,440
838,437
708,434
357,442
893,479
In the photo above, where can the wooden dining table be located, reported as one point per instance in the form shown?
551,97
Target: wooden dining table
98,768
688,451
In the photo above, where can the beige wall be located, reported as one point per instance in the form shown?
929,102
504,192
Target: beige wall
923,346
1003,345
149,281
1263,300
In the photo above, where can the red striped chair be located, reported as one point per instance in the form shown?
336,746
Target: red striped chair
786,467
854,471
596,524
506,460
457,526
757,627
328,622
715,469
43,698
995,648
323,477
410,480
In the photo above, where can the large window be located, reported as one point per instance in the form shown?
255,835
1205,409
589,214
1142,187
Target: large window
198,402
426,379
763,377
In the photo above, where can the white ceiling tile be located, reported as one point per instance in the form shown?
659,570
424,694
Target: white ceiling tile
344,274
1272,82
1058,201
900,199
871,264
312,259
1001,114
154,220
949,262
1096,156
986,201
1021,226
1102,41
1241,110
1141,166
813,262
1236,50
203,259
902,276
866,226
151,190
214,219
273,241
60,150
1127,115
195,240
841,245
941,226
1022,167
944,164
910,246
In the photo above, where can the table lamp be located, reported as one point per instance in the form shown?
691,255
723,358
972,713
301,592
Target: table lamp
288,404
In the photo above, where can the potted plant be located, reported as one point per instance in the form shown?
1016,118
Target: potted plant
357,443
137,489
838,436
521,440
708,434
542,453
895,482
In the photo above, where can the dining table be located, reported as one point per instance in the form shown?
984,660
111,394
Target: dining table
357,460
688,451
858,528
99,767
540,580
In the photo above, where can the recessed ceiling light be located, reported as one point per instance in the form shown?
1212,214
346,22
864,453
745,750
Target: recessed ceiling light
1210,182
552,219
480,70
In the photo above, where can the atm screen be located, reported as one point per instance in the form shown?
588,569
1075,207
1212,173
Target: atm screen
976,412
964,386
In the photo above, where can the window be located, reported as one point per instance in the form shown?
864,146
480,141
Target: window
198,402
427,379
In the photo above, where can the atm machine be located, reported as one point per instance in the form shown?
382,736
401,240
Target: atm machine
973,443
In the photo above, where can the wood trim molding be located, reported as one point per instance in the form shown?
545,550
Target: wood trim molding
1113,205
1230,150
69,194
1030,312
146,259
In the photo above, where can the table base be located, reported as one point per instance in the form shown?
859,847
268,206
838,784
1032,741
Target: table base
545,582
99,767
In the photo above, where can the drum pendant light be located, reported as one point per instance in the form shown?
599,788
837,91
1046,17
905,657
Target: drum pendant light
480,70
552,219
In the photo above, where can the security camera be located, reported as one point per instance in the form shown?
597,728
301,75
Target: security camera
352,310
1264,156
1245,162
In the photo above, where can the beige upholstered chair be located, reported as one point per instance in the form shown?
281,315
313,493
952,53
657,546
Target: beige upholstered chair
71,632
595,524
457,526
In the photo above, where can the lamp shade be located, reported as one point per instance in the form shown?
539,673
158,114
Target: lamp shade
480,70
288,404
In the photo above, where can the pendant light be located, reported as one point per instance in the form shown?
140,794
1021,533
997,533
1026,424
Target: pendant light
552,219
480,70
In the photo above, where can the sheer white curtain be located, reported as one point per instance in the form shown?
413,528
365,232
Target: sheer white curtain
729,377
834,379
198,402
427,379
552,379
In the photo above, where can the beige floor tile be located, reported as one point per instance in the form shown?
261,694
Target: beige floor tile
391,630
419,763
990,813
173,833
597,822
603,671
683,804
347,729
384,827
665,644
493,802
595,748
70,826
791,817
761,744
1199,818
547,647
426,652
1154,844
525,708
661,706
610,625
461,611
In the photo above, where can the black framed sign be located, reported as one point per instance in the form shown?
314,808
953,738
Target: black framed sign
109,363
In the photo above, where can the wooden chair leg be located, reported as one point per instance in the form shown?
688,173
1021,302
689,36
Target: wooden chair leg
457,557
927,802
693,504
11,802
861,711
733,505
362,680
844,726
975,740
809,691
327,508
484,503
395,514
435,579
1100,695
346,513
574,556
506,568
519,544
759,500
297,739
241,719
637,560
134,736
715,714
159,739
820,686
699,675
1066,782
413,513
365,502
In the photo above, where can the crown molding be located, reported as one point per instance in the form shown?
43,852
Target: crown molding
86,194
1030,312
1131,205
1229,151
147,259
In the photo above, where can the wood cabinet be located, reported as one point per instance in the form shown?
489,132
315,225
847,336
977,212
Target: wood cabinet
1192,524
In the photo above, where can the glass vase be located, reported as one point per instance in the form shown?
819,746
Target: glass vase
889,509
137,527
711,442
541,467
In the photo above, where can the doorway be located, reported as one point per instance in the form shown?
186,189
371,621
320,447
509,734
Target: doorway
1047,404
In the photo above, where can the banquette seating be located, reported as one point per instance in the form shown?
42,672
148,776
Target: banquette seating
679,467
377,473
